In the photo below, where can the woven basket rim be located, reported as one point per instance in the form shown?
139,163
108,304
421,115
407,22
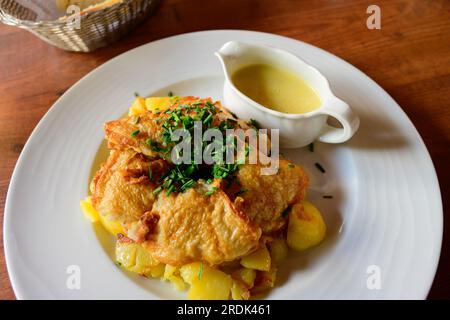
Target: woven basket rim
61,22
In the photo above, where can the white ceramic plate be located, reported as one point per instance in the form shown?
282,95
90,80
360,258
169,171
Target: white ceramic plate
386,211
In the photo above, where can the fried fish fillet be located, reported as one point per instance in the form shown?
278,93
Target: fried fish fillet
176,229
122,190
264,198
150,126
194,227
179,228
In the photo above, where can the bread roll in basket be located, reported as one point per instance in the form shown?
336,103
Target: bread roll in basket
101,22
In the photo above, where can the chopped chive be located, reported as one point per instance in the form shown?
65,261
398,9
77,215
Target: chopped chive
311,147
150,173
170,94
209,117
211,192
157,190
290,165
328,197
136,121
187,185
200,271
319,166
118,263
169,191
135,133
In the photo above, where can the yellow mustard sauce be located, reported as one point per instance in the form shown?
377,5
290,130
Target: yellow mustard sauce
276,89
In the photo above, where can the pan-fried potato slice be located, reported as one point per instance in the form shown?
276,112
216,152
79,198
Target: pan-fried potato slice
133,257
258,260
138,107
206,283
246,276
278,251
113,227
306,227
172,274
88,210
239,291
160,103
156,104
265,280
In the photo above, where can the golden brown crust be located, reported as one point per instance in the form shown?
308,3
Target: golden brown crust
267,196
195,227
118,132
185,227
115,195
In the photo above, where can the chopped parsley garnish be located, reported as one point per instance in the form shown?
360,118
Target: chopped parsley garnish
170,189
136,121
319,166
200,271
184,175
135,133
211,192
291,165
157,190
136,95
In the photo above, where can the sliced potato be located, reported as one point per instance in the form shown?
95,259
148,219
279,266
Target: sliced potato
306,227
246,276
88,210
113,227
142,105
159,103
172,274
93,215
264,280
126,255
258,260
133,257
138,107
278,251
239,291
156,271
207,283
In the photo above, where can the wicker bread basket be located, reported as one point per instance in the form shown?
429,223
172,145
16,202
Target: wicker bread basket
98,28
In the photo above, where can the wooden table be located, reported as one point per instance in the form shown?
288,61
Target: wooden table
409,57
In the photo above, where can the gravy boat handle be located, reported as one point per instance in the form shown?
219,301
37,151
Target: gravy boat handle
342,112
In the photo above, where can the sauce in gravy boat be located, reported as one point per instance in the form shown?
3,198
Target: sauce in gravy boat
281,91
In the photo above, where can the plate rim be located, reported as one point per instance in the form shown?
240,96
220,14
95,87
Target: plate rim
54,107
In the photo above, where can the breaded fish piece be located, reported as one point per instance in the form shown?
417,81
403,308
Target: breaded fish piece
148,130
122,190
194,227
265,197
176,229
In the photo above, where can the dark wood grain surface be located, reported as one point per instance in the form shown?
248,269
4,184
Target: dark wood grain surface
409,57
